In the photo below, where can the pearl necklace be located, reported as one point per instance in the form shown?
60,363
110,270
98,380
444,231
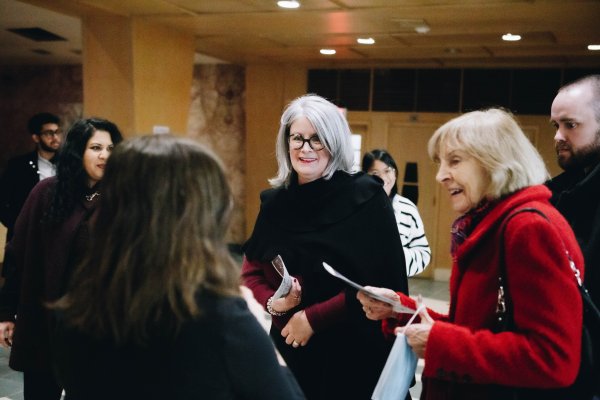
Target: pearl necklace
90,197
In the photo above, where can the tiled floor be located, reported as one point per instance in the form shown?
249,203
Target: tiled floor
11,382
435,295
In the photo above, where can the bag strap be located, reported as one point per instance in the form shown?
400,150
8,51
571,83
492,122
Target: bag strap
503,307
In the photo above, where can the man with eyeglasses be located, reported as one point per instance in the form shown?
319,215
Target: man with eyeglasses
24,172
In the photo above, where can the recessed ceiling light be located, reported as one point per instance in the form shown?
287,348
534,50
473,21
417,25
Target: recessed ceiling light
366,40
509,37
422,29
327,52
594,47
288,4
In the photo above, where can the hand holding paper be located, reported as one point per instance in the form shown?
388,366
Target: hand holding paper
286,279
289,293
396,305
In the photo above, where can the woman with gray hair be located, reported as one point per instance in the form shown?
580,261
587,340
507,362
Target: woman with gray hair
515,317
317,211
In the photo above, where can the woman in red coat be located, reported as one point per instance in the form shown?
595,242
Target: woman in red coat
490,170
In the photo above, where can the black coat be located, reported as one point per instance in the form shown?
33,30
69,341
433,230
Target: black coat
348,222
20,176
224,354
577,197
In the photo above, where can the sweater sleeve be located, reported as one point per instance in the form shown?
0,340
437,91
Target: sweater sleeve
253,276
412,233
388,325
327,313
320,315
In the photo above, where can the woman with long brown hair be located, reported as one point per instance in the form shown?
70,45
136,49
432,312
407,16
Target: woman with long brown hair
155,310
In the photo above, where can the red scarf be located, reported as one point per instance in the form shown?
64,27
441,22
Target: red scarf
466,223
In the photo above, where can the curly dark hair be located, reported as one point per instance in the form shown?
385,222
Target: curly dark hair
35,123
71,176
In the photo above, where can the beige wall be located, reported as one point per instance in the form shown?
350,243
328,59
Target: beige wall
162,77
107,70
136,74
269,88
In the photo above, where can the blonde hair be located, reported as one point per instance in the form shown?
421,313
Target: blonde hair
493,137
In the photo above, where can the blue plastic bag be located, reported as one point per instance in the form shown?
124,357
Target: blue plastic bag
399,369
397,373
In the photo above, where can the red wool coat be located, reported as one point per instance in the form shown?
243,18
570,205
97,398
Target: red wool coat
463,356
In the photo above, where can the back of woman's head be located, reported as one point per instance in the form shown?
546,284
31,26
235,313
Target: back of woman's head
382,155
70,172
332,128
493,137
158,240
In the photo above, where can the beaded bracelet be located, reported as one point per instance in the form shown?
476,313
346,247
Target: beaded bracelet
270,308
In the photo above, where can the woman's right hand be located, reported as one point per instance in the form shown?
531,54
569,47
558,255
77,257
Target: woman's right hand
375,309
6,333
289,301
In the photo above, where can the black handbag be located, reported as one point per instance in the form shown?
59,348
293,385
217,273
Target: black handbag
587,382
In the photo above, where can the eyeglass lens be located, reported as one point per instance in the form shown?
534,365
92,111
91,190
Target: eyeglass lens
49,132
297,142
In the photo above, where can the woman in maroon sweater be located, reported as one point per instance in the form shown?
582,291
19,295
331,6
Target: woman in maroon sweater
318,211
50,233
490,170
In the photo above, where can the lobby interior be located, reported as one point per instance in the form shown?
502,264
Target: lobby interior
222,71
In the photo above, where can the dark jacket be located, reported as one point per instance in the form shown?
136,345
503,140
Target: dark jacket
577,197
224,354
348,222
20,176
38,256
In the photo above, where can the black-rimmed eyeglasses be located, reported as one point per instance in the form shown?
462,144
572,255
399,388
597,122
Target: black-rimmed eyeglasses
314,142
49,133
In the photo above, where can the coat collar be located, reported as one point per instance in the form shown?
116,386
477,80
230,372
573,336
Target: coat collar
492,221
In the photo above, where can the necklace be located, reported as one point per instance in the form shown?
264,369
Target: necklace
90,197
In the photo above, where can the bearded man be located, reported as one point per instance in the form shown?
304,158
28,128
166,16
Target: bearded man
24,172
576,192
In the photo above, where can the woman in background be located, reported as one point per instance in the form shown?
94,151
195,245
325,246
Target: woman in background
154,311
318,211
417,253
50,234
491,171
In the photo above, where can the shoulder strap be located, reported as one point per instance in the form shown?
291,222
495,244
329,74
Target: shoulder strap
504,307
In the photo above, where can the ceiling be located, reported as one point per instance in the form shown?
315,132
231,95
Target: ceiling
555,33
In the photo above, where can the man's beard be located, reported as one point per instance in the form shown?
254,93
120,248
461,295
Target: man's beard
47,148
582,158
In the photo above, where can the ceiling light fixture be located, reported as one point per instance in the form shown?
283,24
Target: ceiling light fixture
509,37
422,29
288,4
594,47
327,52
366,40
